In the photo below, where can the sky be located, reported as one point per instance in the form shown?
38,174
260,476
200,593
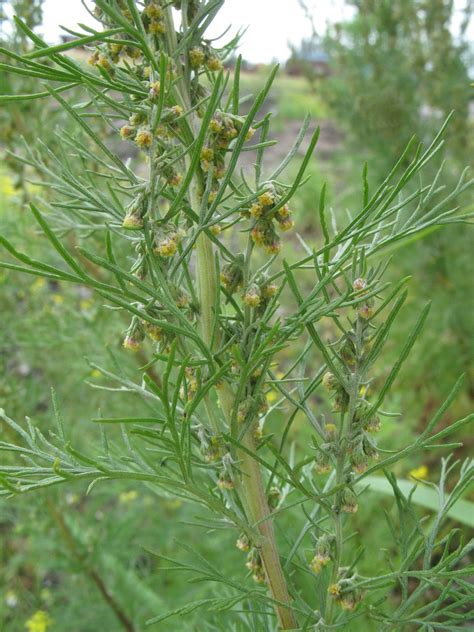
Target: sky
271,23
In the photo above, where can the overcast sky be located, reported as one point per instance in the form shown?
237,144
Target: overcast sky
271,23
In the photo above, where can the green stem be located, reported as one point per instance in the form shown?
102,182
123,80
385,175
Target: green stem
256,506
207,286
251,485
346,422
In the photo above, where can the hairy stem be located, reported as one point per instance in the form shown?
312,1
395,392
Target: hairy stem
251,487
207,285
256,505
346,422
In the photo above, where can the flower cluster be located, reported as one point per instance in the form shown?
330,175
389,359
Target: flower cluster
204,56
223,129
346,595
364,422
140,328
322,553
268,214
212,446
254,564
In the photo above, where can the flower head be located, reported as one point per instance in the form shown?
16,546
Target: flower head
39,622
144,138
252,296
196,57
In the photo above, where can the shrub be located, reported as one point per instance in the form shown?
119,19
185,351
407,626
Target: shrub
191,254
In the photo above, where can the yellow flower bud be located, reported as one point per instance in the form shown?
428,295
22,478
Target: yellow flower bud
256,210
154,90
252,296
196,57
144,138
127,131
213,63
207,153
267,199
166,247
156,27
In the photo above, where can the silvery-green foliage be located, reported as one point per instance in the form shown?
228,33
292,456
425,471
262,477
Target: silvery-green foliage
186,244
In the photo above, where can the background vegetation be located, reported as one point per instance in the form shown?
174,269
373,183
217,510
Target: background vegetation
394,70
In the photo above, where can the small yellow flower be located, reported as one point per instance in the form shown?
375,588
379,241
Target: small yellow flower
58,299
144,138
86,304
126,131
175,179
420,473
128,497
334,590
131,344
272,396
173,504
104,63
156,27
38,284
155,332
267,198
243,543
215,126
166,247
252,296
154,91
256,211
214,64
39,622
153,11
6,186
319,562
196,57
96,373
207,153
286,224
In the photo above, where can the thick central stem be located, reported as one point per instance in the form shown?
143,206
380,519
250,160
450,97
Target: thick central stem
207,286
256,505
251,487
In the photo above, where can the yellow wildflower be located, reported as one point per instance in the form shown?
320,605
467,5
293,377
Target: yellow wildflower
6,186
420,473
58,299
86,303
39,622
128,497
272,396
38,284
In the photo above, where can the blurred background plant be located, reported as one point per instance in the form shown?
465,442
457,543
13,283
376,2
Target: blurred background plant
19,119
397,60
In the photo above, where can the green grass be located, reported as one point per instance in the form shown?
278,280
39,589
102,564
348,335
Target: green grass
290,98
